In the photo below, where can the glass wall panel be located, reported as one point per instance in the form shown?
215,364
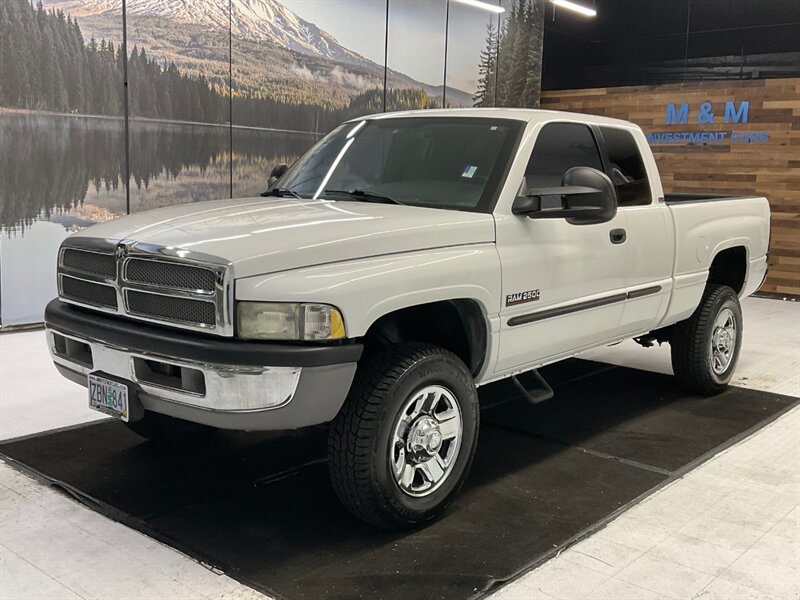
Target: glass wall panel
300,67
62,151
220,92
178,71
469,52
415,52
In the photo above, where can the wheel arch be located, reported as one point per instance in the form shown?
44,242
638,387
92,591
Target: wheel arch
459,325
729,267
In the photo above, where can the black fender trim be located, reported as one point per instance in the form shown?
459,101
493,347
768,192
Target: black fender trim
182,345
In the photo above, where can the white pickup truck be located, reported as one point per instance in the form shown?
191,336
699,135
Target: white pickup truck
401,263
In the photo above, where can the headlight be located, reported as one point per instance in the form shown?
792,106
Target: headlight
281,321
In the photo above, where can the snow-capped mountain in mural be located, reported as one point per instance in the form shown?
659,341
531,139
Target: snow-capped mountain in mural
256,20
267,28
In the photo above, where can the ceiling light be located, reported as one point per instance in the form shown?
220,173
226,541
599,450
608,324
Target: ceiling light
483,5
578,8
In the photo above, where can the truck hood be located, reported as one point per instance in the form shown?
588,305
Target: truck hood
265,235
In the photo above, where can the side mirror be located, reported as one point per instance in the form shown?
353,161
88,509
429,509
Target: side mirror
274,175
587,196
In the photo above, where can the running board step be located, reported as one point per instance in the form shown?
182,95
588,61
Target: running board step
533,386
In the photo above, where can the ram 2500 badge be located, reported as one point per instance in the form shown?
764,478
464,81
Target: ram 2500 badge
401,263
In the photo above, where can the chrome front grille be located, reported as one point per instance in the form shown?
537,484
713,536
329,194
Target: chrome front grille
152,283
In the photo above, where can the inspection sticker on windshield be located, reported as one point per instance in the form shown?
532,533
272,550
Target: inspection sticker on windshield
522,297
469,171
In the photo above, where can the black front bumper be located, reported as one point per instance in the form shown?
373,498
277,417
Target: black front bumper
246,385
193,347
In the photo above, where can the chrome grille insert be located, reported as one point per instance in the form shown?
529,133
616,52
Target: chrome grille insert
89,292
170,308
90,263
170,275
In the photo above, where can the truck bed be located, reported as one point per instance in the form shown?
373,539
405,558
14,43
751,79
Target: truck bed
702,231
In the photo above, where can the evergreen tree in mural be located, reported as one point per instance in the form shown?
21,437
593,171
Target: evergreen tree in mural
533,78
487,70
46,65
510,67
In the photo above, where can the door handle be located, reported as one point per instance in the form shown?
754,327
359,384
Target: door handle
618,236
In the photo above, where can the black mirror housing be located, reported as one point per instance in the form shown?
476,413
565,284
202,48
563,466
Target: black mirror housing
526,205
604,201
587,196
276,173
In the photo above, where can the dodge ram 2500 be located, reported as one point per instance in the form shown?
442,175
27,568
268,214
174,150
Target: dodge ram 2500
404,261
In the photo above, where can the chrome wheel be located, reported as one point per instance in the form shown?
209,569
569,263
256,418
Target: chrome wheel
723,341
426,440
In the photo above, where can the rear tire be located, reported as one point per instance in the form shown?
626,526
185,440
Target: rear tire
163,429
705,347
404,441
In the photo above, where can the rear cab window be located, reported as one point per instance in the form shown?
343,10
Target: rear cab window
627,167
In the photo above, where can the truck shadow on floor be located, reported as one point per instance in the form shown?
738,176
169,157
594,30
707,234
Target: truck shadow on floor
259,506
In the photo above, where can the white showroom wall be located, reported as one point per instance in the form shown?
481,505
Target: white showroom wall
27,272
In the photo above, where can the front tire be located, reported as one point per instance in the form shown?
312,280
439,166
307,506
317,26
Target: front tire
705,347
404,441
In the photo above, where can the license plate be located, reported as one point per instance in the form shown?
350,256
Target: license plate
108,396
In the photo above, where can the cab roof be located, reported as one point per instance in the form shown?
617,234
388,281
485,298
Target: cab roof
520,114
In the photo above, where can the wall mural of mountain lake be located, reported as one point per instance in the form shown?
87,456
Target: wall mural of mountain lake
285,73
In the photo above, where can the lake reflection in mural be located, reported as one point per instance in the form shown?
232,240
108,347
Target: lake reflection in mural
69,171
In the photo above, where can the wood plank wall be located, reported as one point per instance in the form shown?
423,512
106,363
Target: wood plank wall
770,169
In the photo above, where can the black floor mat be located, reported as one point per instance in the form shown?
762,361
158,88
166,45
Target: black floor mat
259,506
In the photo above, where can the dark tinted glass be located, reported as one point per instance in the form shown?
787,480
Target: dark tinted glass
559,147
627,169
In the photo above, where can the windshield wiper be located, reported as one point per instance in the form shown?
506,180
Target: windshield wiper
365,196
280,193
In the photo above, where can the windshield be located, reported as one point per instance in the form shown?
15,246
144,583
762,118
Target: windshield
440,162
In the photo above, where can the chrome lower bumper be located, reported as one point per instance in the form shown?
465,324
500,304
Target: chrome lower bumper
227,396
